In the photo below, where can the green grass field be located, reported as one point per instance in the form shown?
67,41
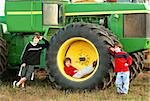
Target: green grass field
42,91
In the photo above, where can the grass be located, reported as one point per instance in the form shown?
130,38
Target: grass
42,91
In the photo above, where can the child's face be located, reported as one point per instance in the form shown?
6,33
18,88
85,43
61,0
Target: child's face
117,49
36,40
67,63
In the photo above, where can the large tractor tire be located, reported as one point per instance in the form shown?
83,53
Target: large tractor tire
83,43
3,55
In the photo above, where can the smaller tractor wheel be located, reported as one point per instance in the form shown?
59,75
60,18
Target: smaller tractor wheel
136,60
133,71
3,55
143,54
142,58
137,65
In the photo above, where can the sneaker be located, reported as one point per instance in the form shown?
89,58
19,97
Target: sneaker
14,84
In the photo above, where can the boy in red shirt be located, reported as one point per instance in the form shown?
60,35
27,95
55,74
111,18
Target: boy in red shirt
122,62
73,72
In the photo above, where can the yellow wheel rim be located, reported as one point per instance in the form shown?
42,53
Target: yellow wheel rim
82,53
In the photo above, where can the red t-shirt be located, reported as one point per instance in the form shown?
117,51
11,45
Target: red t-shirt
70,70
120,59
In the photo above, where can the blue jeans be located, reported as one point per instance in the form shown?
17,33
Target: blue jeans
122,82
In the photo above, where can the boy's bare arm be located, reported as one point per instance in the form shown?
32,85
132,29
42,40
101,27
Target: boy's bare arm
111,50
46,43
24,54
41,37
23,65
126,64
129,60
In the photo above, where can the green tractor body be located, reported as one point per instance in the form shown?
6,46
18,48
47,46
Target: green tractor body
128,21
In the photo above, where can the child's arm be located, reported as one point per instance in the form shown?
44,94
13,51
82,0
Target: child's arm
24,54
111,50
46,44
70,70
129,60
23,65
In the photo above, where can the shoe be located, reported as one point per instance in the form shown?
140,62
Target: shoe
14,84
94,63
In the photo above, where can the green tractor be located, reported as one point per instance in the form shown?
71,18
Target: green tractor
81,31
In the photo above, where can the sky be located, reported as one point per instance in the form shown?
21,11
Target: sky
2,3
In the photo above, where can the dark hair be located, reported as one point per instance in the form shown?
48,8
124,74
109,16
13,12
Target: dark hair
67,59
117,44
36,34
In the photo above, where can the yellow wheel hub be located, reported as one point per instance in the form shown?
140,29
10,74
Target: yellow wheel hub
82,53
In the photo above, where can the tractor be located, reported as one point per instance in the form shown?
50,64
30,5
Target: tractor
82,31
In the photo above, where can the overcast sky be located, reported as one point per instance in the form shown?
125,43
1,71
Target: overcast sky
2,2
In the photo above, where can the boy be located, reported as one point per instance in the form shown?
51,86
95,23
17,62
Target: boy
122,63
30,59
75,73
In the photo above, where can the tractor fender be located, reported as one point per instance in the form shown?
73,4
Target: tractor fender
3,28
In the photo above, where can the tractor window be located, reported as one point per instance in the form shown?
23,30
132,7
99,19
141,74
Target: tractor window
148,25
52,14
135,25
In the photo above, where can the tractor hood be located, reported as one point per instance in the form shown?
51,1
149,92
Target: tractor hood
105,8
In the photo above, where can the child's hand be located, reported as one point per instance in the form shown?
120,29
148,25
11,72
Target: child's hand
23,65
41,37
126,64
112,49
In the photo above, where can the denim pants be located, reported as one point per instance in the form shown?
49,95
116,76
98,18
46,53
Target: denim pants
27,72
122,82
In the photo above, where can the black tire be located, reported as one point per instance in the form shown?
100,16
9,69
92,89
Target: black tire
133,70
136,66
136,59
100,38
3,55
142,59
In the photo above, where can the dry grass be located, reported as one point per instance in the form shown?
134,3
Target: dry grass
42,91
